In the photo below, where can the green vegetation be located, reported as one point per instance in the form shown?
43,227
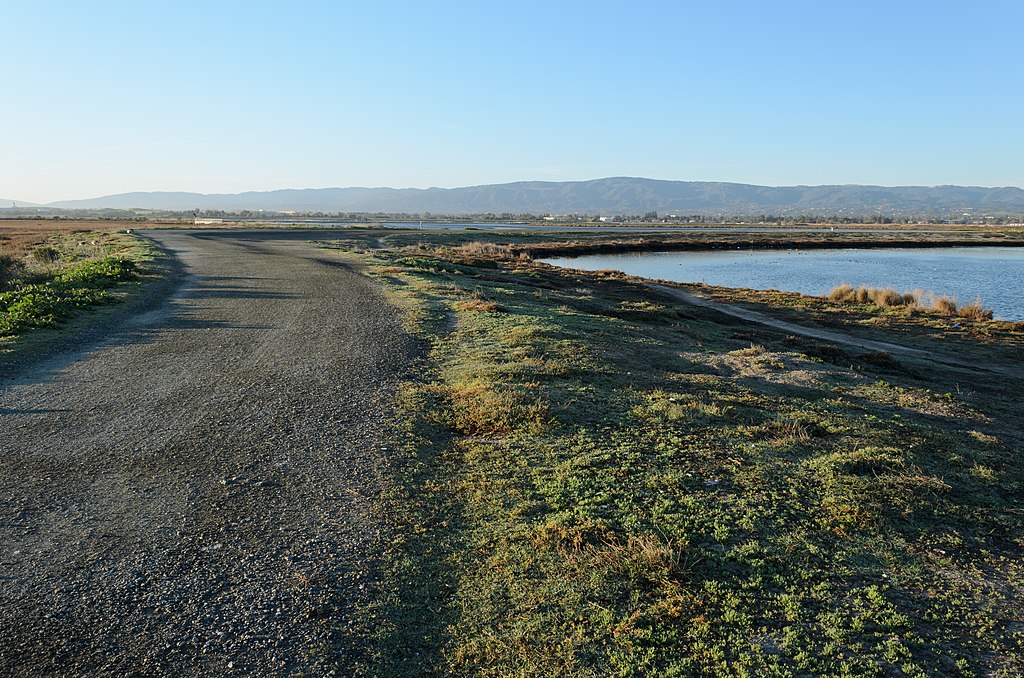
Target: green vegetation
43,304
597,480
66,273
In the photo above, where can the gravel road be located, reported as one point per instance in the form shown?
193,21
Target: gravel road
197,492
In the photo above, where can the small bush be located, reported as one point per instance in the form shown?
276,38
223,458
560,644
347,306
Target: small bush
888,297
975,311
944,305
11,271
45,254
486,249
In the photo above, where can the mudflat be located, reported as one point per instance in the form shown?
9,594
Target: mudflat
196,491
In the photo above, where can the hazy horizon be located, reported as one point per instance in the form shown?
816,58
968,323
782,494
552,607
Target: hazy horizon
116,97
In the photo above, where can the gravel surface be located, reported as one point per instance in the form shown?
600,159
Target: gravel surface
197,491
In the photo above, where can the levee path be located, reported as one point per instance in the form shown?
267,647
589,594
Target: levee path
197,491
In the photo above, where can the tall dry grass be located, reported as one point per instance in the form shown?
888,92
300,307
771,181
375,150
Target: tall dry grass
491,250
917,300
883,297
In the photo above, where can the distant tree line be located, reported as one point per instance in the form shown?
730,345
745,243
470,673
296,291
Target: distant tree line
511,217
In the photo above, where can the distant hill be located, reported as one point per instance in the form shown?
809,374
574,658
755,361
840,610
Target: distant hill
618,195
6,203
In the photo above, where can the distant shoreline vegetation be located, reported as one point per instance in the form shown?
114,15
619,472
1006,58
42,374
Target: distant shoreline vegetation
576,219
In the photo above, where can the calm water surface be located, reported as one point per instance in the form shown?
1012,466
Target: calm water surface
995,274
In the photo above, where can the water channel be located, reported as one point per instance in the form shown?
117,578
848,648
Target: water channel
993,274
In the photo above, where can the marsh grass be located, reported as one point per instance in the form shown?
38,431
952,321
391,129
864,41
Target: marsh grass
975,311
601,498
916,300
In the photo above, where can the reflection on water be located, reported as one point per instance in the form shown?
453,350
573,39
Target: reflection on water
995,274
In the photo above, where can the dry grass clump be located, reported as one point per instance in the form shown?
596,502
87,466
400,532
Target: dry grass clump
484,408
890,298
944,305
752,350
948,306
593,544
880,297
480,305
491,250
975,311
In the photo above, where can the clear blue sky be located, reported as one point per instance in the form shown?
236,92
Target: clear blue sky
106,97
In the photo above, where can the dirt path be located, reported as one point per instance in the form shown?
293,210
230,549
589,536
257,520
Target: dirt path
841,338
195,494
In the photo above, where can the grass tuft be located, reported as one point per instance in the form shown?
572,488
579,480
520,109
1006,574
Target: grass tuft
975,311
480,305
944,305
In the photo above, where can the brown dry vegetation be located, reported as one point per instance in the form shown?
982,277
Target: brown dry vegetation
918,301
18,238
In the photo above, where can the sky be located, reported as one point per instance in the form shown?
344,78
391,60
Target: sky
111,97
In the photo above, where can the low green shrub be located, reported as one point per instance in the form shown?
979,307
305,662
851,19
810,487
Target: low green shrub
11,271
45,254
45,303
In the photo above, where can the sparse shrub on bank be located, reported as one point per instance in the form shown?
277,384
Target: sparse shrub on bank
485,249
944,305
890,298
975,311
881,297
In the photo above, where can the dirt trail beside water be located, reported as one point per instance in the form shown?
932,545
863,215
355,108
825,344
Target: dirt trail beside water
196,493
837,337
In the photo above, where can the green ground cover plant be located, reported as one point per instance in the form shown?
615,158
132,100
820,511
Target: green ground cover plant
47,302
598,480
64,274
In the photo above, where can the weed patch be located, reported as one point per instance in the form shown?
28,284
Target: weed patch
44,304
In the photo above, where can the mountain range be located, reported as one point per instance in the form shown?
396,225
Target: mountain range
610,196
